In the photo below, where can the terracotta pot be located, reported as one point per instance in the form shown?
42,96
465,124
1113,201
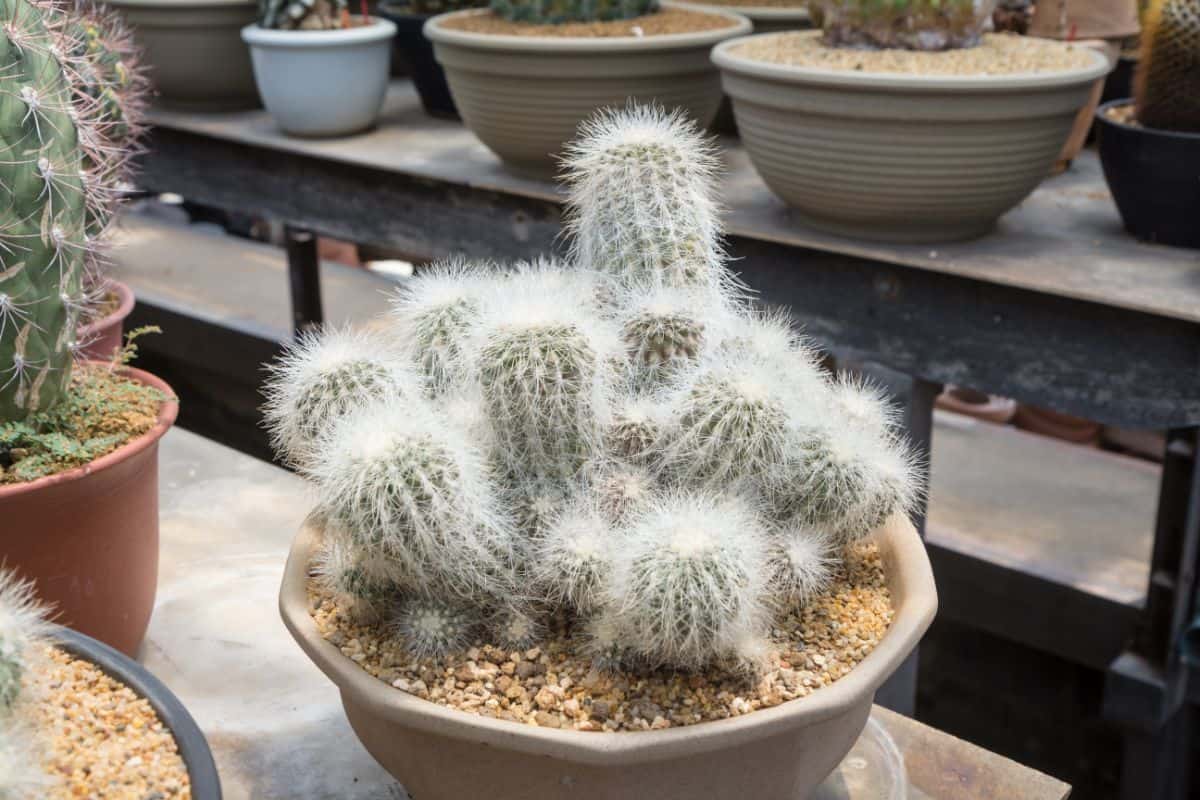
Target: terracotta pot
524,96
1052,423
103,338
88,537
193,747
900,157
780,753
979,405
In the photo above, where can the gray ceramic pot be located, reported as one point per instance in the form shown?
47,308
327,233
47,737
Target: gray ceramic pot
898,157
780,753
323,83
524,96
196,58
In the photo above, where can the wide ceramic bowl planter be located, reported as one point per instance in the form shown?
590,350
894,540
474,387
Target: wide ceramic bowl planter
196,58
781,753
88,537
322,83
524,96
1152,175
897,157
102,338
193,747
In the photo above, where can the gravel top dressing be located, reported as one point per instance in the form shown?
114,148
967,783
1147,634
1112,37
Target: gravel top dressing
553,686
102,739
668,20
998,54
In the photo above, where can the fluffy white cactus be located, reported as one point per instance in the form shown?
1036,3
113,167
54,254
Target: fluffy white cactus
572,559
412,488
23,635
803,561
435,313
515,626
21,776
323,376
433,627
642,204
362,584
543,363
688,579
621,489
664,330
636,426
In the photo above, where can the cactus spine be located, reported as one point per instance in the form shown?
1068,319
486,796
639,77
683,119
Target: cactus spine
555,12
23,633
1167,88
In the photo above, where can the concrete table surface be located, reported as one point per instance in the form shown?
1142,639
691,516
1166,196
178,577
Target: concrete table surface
275,723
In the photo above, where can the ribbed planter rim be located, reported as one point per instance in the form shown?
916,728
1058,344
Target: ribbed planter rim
258,36
437,32
167,412
771,13
910,566
1102,116
725,58
193,747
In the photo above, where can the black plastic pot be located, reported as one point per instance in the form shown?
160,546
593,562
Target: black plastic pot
193,747
1154,177
415,52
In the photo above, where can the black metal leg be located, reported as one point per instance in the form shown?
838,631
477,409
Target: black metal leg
1147,686
304,279
900,692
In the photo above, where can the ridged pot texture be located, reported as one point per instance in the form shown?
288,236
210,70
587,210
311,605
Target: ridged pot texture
902,158
524,96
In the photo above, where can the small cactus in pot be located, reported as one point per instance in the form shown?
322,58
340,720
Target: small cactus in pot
905,24
1167,82
619,446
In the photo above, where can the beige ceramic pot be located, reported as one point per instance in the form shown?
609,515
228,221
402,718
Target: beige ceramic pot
904,158
194,50
524,96
88,537
781,753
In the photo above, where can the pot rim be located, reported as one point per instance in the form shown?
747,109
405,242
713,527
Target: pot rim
772,13
379,30
724,57
189,739
436,32
1139,130
124,307
907,566
167,412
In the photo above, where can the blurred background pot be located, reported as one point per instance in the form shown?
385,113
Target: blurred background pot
322,82
103,337
196,58
414,53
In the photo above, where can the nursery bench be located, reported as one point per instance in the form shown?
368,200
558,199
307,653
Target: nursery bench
1057,307
275,723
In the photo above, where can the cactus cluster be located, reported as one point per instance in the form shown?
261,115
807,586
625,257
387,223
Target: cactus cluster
70,98
22,636
621,443
905,24
304,15
555,12
1167,88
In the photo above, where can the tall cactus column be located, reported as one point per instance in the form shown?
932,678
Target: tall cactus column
42,213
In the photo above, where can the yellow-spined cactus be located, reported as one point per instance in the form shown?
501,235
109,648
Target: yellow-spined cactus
1167,89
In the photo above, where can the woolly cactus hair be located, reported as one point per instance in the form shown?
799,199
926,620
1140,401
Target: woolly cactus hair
636,427
572,559
23,630
664,330
641,207
534,503
321,378
621,489
415,491
363,586
543,365
864,405
21,776
515,626
434,627
436,311
843,480
803,561
688,579
604,639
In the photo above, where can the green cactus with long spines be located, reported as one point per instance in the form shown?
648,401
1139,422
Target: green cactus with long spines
1167,88
905,24
43,214
556,12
